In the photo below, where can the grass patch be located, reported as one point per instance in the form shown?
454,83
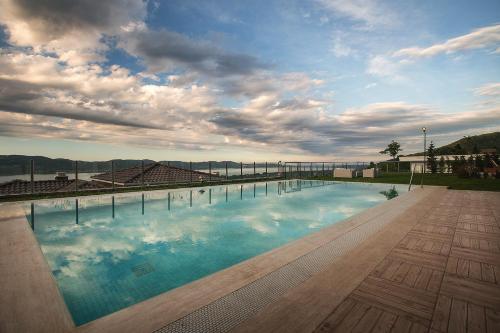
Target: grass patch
451,181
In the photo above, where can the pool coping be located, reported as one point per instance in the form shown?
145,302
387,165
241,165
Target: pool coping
28,302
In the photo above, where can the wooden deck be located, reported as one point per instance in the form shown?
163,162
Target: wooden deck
444,276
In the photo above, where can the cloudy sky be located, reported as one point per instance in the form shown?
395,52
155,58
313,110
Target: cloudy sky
244,80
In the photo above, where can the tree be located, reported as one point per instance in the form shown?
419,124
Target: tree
392,149
448,165
431,158
442,164
458,149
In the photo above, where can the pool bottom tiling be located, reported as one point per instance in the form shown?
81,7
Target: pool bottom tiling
109,252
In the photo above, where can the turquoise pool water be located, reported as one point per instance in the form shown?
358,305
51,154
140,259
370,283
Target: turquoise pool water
106,256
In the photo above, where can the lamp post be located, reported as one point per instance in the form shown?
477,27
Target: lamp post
424,130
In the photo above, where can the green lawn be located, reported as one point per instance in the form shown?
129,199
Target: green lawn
451,181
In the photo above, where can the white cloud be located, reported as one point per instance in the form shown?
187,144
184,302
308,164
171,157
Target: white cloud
340,48
489,89
371,13
383,66
486,37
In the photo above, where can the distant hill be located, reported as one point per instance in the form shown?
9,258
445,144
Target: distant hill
469,145
20,164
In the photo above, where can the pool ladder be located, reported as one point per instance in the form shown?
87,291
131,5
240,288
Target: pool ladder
411,178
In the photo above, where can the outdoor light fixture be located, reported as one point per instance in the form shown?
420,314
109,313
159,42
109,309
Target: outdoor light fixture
424,130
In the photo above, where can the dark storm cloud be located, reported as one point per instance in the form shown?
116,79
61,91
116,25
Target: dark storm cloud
56,17
164,50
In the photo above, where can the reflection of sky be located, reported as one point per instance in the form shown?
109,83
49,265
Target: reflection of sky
94,260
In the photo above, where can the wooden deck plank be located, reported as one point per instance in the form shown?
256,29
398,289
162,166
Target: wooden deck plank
401,273
430,235
492,321
385,323
418,328
334,319
487,273
478,292
391,270
451,266
422,296
463,268
441,313
412,276
402,325
475,255
428,260
381,267
423,278
435,281
352,318
390,303
477,235
368,321
476,320
475,270
458,316
445,250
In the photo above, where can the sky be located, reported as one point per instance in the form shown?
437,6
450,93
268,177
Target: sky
319,80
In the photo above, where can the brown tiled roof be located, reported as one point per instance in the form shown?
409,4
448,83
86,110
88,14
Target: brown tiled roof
45,186
154,173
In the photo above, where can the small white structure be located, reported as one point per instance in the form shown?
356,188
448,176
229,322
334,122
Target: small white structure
369,173
417,162
343,173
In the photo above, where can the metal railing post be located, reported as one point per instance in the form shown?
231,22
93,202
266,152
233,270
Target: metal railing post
209,171
76,176
32,216
266,169
76,210
241,169
190,172
254,169
142,173
323,171
227,176
32,175
113,174
142,203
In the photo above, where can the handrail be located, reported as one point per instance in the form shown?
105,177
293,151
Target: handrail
411,177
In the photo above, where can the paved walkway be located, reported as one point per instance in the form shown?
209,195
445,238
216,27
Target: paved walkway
444,276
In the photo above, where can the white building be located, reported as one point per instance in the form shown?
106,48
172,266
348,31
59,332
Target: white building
417,162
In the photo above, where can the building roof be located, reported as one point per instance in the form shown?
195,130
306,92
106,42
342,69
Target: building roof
18,186
154,173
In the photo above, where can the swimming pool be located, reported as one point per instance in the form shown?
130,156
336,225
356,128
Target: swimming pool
109,252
